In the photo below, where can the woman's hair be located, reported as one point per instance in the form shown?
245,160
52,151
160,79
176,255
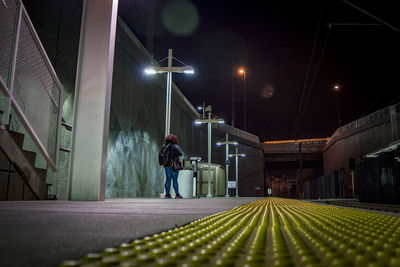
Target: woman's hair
171,138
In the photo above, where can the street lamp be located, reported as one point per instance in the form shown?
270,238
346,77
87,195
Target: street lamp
169,70
209,121
204,109
237,155
337,87
227,143
242,72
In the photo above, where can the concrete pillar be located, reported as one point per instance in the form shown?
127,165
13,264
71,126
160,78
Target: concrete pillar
92,100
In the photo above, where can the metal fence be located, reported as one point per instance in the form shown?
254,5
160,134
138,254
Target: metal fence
380,178
28,79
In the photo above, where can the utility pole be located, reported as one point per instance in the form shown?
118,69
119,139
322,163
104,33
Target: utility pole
227,163
237,155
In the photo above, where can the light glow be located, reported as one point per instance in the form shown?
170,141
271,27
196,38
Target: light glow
189,71
318,140
150,71
242,71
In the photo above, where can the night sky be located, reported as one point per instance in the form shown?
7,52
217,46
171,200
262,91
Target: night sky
274,41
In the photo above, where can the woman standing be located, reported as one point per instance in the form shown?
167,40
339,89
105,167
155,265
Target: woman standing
172,165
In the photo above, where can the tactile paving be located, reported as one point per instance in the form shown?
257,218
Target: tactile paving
266,232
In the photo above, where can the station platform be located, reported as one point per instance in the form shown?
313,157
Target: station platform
157,232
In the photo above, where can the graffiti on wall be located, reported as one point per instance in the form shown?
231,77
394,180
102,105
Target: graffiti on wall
132,166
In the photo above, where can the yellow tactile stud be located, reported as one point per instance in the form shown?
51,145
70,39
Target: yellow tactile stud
266,232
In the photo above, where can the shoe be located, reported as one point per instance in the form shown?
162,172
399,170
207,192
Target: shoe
178,196
167,196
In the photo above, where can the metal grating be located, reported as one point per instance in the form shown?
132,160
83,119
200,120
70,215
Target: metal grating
35,91
8,11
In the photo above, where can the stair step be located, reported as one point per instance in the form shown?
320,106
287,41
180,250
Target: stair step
23,162
18,138
30,156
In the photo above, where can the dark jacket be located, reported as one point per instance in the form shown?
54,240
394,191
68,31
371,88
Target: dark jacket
173,154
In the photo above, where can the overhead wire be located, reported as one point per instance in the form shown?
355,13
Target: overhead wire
314,77
383,93
295,127
389,26
372,16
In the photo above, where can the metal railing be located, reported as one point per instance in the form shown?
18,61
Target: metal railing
29,81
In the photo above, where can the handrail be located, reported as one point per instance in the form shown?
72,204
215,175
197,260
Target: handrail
39,108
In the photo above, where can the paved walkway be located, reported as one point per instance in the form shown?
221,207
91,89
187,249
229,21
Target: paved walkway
45,233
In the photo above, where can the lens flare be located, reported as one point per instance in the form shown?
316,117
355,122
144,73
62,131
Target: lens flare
180,18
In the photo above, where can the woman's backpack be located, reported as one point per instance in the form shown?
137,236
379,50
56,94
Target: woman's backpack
163,154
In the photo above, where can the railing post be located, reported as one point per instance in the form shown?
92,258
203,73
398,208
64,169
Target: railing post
58,138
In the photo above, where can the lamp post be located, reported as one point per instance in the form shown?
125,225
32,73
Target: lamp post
209,121
237,155
242,72
169,70
203,109
336,88
227,143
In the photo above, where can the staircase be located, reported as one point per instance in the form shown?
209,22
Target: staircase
31,92
19,178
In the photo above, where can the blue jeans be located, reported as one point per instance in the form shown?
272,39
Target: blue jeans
170,174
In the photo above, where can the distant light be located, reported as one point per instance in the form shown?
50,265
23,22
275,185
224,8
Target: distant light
243,155
150,71
199,108
219,144
242,71
230,156
189,71
197,122
221,121
316,140
235,143
336,87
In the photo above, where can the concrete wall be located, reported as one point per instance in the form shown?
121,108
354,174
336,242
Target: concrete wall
359,138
